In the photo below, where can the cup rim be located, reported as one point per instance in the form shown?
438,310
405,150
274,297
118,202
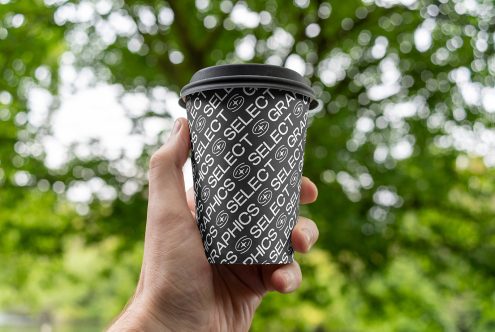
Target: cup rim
248,75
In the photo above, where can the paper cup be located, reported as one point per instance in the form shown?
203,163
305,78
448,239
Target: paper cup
247,159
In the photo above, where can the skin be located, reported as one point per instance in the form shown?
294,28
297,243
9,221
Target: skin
178,290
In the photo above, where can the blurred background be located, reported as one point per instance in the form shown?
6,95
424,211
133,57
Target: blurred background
403,153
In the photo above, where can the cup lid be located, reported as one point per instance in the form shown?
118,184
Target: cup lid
252,75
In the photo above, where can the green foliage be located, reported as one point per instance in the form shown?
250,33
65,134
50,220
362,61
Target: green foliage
405,210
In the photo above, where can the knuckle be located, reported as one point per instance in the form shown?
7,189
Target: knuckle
155,159
160,158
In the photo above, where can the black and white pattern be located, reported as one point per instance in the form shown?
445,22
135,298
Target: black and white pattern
247,159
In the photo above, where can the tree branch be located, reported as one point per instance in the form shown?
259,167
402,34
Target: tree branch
297,38
216,32
182,28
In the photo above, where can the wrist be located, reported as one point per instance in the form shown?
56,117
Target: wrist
139,317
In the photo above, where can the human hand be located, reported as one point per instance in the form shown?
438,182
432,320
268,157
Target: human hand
178,290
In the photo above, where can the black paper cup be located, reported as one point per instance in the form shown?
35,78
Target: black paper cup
248,131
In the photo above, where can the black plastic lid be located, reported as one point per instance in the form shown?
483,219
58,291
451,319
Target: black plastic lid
251,75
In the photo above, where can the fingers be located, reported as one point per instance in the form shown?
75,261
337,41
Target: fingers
304,235
166,181
286,278
174,153
190,199
309,191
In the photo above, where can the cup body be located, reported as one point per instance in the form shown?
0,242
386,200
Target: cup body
247,160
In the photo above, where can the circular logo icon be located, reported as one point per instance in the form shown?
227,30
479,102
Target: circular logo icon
298,108
241,171
218,146
293,178
243,244
281,220
222,219
260,127
205,194
281,153
235,102
265,196
200,123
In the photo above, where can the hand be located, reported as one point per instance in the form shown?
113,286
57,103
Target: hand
178,289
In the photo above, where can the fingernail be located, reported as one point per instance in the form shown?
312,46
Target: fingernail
308,235
176,128
289,279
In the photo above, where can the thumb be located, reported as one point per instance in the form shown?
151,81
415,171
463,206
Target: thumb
166,180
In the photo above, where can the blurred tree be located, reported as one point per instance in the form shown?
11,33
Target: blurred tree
403,153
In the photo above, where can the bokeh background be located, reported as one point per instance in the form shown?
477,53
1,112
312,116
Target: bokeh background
403,153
